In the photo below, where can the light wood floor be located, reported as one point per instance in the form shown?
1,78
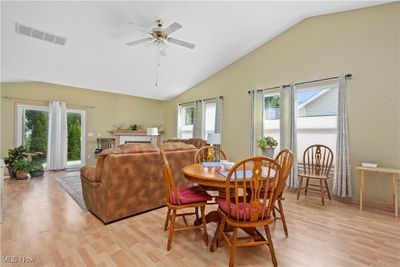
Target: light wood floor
43,221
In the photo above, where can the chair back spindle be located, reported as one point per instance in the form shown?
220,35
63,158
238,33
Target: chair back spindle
317,159
105,143
285,159
169,181
209,154
246,181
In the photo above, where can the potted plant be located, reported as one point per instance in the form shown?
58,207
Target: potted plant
21,168
15,155
267,144
36,169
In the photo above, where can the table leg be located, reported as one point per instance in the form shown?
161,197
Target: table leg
394,191
362,190
212,216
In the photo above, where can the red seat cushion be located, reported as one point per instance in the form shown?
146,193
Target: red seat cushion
189,195
221,201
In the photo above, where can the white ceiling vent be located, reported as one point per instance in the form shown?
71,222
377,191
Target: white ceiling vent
41,35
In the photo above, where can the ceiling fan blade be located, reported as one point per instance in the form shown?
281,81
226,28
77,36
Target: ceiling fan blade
181,43
139,41
172,28
139,28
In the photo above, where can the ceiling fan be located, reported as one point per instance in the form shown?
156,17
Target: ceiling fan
160,36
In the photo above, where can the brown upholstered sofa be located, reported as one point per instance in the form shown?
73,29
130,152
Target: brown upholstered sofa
128,179
197,142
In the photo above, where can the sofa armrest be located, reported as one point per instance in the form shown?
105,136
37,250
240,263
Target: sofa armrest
89,173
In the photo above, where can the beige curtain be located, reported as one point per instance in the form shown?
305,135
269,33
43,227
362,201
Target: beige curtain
218,114
342,177
198,119
288,121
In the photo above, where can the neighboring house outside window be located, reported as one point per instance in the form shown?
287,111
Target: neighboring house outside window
316,122
316,117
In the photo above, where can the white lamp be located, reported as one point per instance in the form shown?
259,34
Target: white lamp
214,138
152,131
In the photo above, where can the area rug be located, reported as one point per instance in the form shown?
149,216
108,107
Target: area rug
71,183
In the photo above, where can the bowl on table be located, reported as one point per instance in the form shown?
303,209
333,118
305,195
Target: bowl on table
228,165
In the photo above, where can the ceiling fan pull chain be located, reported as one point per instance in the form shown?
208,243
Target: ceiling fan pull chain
156,67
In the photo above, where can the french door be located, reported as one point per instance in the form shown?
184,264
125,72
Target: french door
32,133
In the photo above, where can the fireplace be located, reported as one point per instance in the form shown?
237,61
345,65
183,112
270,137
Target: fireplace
137,142
141,137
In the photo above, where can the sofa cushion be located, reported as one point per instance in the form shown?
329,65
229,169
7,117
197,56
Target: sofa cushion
197,142
189,195
172,146
131,148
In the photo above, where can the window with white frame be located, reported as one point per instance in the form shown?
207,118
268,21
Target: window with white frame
185,120
32,128
210,109
271,125
316,116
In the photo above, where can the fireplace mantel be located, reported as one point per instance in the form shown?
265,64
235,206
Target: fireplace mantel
127,136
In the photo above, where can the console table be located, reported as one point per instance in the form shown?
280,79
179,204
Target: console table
392,172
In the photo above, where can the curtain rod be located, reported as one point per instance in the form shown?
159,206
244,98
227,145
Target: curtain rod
347,76
41,101
201,99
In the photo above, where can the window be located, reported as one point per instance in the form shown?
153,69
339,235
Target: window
32,129
185,121
316,116
75,149
32,132
271,125
316,122
209,118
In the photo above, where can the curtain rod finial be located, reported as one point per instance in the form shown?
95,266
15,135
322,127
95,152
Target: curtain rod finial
348,76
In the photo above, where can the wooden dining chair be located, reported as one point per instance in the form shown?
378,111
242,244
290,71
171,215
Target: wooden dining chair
105,143
285,159
209,154
317,163
183,198
248,209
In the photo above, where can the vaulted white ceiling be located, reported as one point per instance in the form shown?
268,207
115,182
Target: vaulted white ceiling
95,55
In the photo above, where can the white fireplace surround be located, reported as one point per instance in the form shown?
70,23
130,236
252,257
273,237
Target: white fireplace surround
126,136
133,138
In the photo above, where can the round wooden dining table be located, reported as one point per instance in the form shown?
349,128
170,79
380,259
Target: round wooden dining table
214,181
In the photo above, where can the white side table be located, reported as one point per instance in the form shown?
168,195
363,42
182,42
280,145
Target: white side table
2,166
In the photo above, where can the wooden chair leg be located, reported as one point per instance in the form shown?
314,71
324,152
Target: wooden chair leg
196,210
327,189
215,241
306,189
221,230
233,247
270,245
185,221
321,187
299,188
167,219
283,217
171,229
203,221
